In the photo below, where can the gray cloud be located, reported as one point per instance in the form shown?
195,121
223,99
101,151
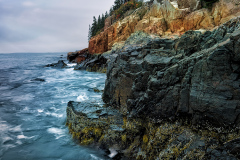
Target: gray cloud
47,26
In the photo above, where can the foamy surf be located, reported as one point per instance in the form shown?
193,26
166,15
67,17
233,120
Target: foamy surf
58,133
33,112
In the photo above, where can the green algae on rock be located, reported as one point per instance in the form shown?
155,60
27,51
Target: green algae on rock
144,139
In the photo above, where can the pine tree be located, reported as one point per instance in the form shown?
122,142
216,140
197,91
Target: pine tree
111,11
102,21
89,33
106,15
94,26
98,23
117,4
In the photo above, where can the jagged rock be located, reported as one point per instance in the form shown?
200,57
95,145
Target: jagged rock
94,63
225,10
129,138
90,123
230,150
176,98
59,64
165,18
78,56
186,79
71,56
191,4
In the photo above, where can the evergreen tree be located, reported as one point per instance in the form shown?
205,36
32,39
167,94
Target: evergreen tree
111,11
94,26
106,15
117,4
98,23
102,21
89,32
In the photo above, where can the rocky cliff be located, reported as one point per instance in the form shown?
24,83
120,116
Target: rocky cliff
171,92
165,18
194,76
167,98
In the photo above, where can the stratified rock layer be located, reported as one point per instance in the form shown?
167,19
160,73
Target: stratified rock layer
165,18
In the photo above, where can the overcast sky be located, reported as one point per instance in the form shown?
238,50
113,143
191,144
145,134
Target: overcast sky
47,25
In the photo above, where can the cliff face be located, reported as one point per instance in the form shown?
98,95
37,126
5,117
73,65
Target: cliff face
167,96
195,76
173,98
165,18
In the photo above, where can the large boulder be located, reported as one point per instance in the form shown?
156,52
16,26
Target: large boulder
78,56
90,123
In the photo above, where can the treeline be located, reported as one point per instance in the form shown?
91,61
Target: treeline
98,24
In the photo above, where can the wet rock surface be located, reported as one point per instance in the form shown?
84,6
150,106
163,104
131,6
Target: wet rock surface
94,63
59,64
90,123
125,138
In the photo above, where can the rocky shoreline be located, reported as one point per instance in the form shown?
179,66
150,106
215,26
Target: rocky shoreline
167,98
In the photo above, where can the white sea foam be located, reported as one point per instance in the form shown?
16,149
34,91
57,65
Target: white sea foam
24,137
27,110
6,139
113,153
94,157
71,64
57,132
26,97
40,110
7,136
82,97
54,114
3,126
16,129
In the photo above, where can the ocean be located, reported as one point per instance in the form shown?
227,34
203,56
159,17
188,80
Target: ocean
33,101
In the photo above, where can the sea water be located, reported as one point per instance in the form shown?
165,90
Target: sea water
33,101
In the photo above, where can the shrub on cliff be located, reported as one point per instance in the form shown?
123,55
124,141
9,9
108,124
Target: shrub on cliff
126,7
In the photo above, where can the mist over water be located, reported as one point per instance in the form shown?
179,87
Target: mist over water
33,101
